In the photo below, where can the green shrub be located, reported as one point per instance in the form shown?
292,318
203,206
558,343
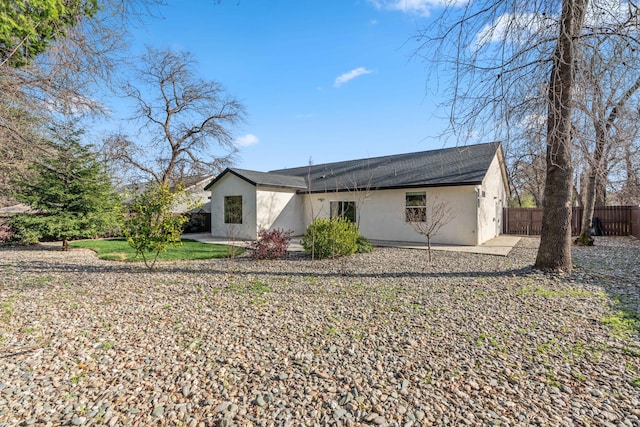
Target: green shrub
364,245
329,238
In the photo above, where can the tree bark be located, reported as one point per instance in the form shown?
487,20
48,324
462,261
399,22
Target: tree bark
554,252
597,183
601,185
631,189
590,197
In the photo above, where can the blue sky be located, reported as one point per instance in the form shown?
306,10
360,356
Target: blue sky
323,80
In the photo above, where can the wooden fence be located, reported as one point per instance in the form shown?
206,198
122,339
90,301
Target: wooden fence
614,220
635,222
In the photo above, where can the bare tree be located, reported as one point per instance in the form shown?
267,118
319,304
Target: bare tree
74,57
629,192
555,239
313,215
509,55
182,119
528,169
607,103
427,220
360,190
604,124
233,218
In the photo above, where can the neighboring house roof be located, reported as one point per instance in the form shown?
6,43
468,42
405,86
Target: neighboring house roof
192,181
465,165
18,208
188,182
206,208
266,179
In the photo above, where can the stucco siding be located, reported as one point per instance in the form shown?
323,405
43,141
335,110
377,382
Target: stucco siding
279,208
492,199
382,213
231,185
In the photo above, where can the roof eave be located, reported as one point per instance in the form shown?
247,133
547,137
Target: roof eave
226,171
286,187
392,187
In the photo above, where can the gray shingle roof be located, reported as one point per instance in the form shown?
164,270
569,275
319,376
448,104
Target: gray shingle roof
263,179
465,165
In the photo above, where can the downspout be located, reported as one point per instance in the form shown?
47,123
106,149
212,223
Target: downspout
478,193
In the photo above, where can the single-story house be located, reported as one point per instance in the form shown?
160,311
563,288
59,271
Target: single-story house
377,193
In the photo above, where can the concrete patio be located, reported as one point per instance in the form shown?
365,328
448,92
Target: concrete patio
500,245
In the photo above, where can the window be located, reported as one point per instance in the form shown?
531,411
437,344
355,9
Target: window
233,209
416,206
346,210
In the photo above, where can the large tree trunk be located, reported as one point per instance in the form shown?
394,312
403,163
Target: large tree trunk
590,192
554,252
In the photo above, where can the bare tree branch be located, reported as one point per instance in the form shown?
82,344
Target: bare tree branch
185,122
428,220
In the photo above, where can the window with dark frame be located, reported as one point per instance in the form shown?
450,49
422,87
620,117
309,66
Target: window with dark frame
346,210
416,206
233,209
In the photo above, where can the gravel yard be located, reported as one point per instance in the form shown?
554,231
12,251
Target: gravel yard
374,339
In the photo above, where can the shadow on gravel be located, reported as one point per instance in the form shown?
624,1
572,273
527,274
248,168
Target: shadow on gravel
306,268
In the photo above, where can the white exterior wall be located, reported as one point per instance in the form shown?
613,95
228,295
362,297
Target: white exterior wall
493,198
231,185
279,208
382,213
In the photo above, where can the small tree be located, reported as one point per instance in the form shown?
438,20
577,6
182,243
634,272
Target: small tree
271,244
151,227
70,192
429,218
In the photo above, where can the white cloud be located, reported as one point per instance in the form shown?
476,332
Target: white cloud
76,105
515,27
518,27
346,77
415,7
601,13
246,140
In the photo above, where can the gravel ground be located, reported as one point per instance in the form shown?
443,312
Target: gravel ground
374,339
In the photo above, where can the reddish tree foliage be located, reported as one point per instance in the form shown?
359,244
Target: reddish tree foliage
271,244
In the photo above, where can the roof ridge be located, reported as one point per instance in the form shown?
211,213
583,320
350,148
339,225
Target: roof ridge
390,156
